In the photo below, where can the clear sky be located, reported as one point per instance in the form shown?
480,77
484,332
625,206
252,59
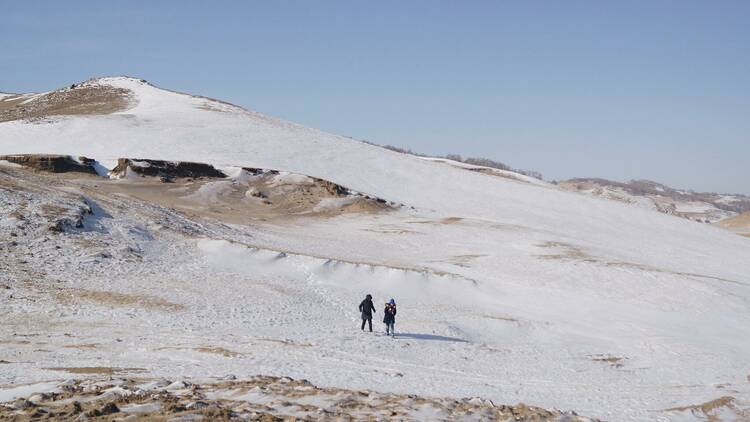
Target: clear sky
631,89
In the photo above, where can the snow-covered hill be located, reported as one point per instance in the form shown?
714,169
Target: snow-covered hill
508,288
701,207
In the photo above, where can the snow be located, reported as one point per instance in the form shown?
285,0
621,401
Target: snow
290,179
141,408
128,174
728,199
505,173
23,391
142,164
506,290
6,163
210,192
31,97
101,169
327,204
694,207
237,174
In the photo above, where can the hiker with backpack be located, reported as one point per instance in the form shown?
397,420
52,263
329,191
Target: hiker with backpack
390,318
367,308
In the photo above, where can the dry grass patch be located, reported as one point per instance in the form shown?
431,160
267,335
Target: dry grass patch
272,399
463,260
566,251
81,100
118,299
614,361
724,402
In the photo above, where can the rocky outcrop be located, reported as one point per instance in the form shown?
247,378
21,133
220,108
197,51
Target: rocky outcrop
52,163
332,188
167,170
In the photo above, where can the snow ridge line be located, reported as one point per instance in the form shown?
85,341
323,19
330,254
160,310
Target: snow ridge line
329,261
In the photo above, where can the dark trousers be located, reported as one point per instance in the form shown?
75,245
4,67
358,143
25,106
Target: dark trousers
368,320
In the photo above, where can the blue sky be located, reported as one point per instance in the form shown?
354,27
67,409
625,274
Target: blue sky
631,89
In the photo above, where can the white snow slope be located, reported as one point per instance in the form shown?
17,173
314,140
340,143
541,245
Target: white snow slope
546,297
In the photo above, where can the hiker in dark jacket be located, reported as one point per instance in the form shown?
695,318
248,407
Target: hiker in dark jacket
390,317
367,308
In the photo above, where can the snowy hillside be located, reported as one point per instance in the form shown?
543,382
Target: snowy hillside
508,288
701,207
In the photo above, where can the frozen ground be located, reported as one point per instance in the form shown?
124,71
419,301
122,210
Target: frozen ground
508,290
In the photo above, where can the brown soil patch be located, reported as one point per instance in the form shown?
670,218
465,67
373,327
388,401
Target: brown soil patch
85,99
447,220
81,346
219,351
97,370
118,299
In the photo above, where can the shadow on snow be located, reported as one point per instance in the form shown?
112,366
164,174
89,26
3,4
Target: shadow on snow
429,337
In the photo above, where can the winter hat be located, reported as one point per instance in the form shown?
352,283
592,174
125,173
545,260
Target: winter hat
392,302
369,296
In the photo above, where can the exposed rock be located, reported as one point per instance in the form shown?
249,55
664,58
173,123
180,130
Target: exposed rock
52,163
166,170
22,404
71,220
332,188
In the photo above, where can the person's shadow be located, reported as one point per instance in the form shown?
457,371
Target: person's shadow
430,337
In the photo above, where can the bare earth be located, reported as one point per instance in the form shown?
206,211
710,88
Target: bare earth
258,398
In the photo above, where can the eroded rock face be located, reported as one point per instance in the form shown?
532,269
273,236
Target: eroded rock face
332,188
164,169
52,163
